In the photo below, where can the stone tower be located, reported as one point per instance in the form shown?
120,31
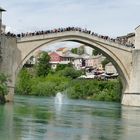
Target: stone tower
1,10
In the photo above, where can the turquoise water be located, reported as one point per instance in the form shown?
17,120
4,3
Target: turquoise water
36,118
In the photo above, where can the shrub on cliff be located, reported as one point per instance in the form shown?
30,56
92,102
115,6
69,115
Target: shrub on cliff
3,88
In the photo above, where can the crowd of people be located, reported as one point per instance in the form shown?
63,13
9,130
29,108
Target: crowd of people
10,34
58,30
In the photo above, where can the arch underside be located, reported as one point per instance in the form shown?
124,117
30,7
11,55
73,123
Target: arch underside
105,49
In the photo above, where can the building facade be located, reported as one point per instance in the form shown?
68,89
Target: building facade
110,69
95,62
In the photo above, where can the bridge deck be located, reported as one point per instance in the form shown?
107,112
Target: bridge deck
65,34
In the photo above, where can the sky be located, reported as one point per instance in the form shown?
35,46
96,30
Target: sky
107,17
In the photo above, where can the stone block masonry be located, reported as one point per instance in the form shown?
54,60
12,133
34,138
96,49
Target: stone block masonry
9,56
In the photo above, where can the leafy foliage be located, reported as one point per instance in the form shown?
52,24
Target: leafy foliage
3,88
63,66
95,52
43,66
23,85
71,73
3,84
93,89
74,50
66,80
79,50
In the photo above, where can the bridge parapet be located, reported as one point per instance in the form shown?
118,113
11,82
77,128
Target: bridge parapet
96,38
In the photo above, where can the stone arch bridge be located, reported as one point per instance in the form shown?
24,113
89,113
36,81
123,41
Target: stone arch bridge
15,52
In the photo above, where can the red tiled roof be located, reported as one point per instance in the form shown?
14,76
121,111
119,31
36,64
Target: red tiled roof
60,49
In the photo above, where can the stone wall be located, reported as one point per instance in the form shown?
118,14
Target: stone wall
137,37
9,60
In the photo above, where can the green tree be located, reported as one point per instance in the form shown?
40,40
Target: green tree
63,66
3,88
74,50
43,66
71,73
95,52
79,50
23,85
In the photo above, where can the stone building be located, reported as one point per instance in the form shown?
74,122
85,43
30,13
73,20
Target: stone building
110,69
95,62
128,39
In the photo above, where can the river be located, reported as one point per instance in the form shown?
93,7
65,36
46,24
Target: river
39,118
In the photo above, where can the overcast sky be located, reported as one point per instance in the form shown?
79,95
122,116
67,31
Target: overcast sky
107,17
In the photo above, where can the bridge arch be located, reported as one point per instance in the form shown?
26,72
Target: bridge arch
110,50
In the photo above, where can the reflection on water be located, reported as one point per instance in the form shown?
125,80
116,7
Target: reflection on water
35,118
131,120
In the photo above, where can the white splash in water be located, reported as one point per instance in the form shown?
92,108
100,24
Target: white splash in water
59,98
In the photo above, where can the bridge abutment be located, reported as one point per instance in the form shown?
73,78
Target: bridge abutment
131,99
132,96
10,55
